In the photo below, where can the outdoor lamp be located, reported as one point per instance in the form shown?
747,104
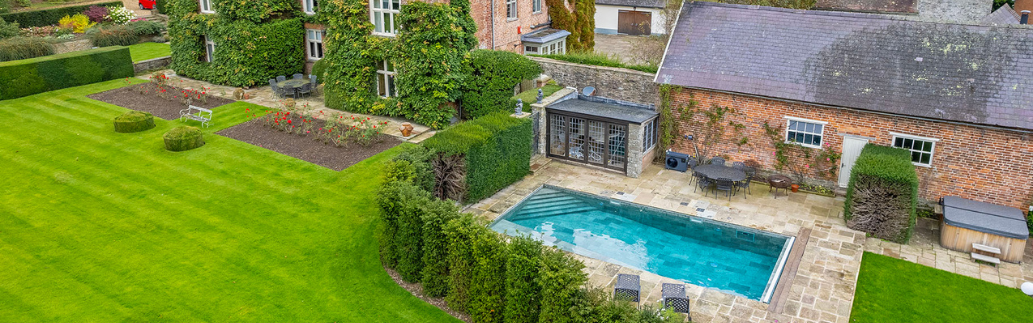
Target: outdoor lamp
1027,288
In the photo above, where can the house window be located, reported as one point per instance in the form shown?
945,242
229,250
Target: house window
921,148
531,49
382,14
314,39
805,132
386,80
310,6
649,135
206,6
209,50
511,10
558,47
536,6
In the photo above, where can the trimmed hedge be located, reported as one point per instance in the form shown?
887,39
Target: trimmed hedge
437,214
489,276
522,287
409,239
30,76
496,150
47,17
460,234
16,48
495,74
882,193
319,70
561,279
183,138
134,121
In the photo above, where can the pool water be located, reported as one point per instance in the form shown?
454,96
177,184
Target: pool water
731,258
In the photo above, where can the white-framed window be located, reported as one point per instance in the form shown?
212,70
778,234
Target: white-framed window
206,6
383,13
386,80
511,9
531,49
209,50
536,6
314,42
309,6
649,134
805,132
558,47
921,147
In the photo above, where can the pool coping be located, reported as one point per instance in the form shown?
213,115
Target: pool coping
772,286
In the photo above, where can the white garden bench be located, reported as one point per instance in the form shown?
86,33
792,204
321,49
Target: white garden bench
198,114
987,249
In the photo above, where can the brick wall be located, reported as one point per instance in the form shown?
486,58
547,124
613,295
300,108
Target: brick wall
506,34
989,165
611,82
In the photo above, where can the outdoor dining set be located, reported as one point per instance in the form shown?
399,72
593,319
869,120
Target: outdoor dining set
298,85
717,176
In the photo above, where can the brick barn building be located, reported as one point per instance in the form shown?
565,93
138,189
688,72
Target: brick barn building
960,97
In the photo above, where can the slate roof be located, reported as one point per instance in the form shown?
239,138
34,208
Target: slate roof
544,36
634,3
606,108
887,6
965,73
1004,15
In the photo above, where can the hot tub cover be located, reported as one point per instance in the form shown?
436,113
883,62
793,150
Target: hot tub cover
985,217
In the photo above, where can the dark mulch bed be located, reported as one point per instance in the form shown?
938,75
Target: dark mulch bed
305,147
129,97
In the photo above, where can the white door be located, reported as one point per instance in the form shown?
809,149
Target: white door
851,149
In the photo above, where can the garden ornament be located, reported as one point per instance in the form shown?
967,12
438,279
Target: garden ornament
519,109
540,95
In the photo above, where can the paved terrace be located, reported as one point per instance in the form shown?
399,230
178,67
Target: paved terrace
824,284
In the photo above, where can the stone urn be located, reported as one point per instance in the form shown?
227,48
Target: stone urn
239,94
406,129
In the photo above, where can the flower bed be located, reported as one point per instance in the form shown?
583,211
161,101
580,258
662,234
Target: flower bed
159,97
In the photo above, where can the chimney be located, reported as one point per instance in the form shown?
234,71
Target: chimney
1025,17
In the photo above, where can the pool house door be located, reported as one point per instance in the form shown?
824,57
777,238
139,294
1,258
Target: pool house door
851,149
586,140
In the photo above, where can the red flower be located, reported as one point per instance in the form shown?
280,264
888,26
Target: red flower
288,121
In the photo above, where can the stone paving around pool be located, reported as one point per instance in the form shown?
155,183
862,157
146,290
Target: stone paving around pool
822,290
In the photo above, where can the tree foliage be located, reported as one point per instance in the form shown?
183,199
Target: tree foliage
580,22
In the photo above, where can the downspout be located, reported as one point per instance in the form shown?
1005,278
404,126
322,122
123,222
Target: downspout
492,24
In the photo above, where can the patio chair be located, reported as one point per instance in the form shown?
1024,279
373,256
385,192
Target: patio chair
726,185
717,161
739,165
674,298
312,79
305,89
276,89
693,163
744,185
627,288
298,76
281,78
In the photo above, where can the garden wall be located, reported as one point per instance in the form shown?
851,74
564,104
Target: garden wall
37,75
152,64
611,82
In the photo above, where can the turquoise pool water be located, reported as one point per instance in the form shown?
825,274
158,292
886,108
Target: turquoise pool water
708,253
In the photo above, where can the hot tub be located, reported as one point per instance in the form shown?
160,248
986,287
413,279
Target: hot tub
966,222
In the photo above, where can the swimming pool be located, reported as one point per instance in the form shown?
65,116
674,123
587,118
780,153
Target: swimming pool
731,258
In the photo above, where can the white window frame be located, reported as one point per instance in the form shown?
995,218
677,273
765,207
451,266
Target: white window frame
555,47
309,42
649,134
389,15
821,134
209,49
206,3
512,10
388,72
931,152
309,6
536,6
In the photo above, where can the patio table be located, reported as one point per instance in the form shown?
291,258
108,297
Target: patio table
718,171
292,85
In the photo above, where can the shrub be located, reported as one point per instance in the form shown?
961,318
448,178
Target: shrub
409,238
121,15
492,151
436,216
5,6
160,6
16,48
97,13
77,23
882,193
134,121
146,27
494,75
8,29
391,205
560,277
242,58
412,164
113,36
48,73
488,276
319,70
183,138
522,290
460,232
47,17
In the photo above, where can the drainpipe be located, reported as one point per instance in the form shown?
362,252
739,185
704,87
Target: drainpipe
492,24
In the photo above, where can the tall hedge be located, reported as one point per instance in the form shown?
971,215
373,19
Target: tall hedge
409,238
495,73
495,148
254,41
47,17
488,280
436,216
523,291
561,279
882,193
460,232
36,75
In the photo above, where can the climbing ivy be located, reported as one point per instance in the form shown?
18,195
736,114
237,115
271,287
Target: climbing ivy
668,127
580,23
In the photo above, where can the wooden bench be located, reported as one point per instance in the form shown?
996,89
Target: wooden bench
993,257
198,114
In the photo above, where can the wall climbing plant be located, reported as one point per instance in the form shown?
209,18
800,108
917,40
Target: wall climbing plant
668,128
580,23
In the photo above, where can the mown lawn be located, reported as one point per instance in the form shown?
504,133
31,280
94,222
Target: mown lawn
893,290
145,51
97,226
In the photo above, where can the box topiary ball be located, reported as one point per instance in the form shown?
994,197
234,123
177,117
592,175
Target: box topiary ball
183,138
134,121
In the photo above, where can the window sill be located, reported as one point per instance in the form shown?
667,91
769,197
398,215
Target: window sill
803,145
384,34
312,59
512,19
310,13
922,165
207,12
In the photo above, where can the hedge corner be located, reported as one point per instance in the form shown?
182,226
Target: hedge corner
882,194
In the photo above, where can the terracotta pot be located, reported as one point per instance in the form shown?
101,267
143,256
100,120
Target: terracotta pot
406,129
795,188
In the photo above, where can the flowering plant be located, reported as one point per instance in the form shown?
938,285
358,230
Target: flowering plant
77,23
121,15
97,13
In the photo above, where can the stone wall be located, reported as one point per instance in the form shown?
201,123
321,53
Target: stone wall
72,46
152,64
610,82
